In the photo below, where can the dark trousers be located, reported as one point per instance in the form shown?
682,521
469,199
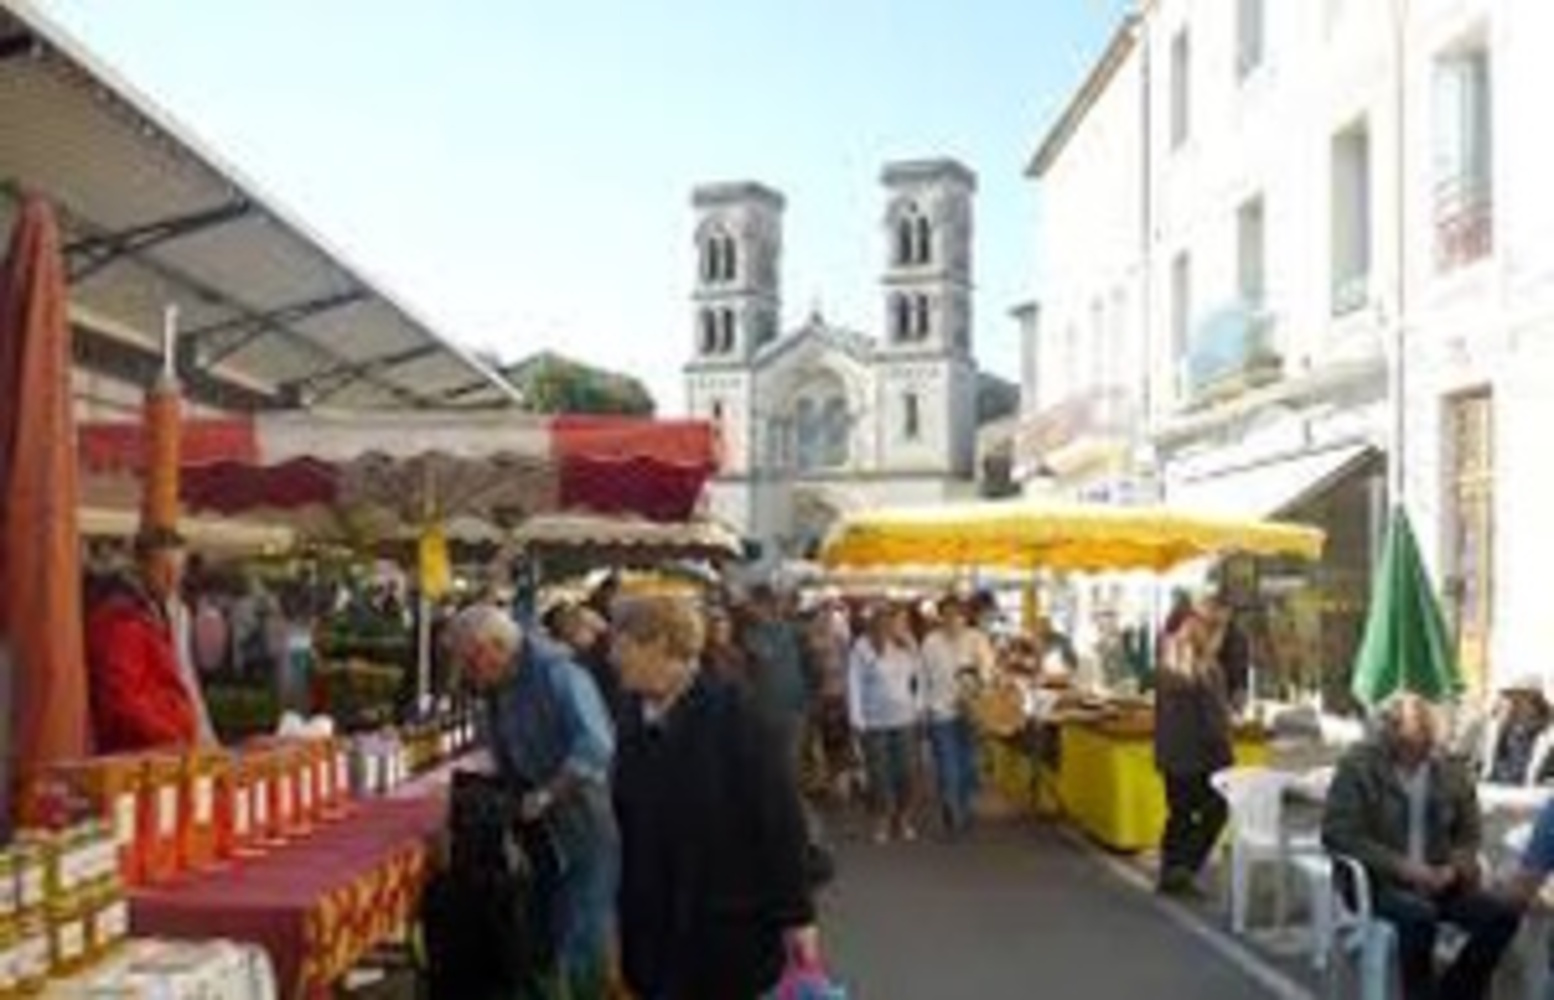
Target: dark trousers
1197,814
1489,923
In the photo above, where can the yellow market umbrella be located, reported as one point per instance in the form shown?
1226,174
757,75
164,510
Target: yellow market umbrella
1026,535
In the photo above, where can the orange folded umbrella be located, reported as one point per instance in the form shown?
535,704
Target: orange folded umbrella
40,549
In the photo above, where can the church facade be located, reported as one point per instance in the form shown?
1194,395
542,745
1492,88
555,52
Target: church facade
822,420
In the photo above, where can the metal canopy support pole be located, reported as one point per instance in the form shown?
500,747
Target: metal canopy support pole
423,655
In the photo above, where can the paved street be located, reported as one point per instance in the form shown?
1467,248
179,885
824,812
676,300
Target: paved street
1016,912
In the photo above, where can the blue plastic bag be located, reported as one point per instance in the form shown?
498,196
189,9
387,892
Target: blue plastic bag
808,982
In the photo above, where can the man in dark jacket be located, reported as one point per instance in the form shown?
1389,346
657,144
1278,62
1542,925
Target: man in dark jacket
1410,817
1192,741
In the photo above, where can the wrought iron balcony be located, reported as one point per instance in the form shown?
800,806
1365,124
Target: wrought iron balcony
1464,221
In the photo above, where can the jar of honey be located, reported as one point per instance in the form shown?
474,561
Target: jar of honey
31,874
32,952
8,888
107,917
9,987
161,819
204,772
66,934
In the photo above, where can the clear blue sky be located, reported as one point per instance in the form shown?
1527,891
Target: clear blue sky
520,170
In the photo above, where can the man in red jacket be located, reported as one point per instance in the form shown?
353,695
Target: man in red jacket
139,700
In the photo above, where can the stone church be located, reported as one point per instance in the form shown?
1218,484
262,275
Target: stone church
823,420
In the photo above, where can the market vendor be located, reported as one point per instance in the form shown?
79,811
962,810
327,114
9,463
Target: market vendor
142,697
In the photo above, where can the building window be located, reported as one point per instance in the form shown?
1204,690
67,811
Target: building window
1470,523
921,317
717,411
1463,169
911,416
726,345
1181,314
1351,219
1249,37
837,429
901,318
913,237
730,259
1181,87
1251,253
709,332
905,240
924,234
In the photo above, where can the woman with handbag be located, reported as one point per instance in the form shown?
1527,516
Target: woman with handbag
715,888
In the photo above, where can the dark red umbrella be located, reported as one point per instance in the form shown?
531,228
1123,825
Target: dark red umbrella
40,549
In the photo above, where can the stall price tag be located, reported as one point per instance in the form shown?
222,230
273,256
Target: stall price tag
167,811
30,888
71,937
240,811
124,820
204,801
113,921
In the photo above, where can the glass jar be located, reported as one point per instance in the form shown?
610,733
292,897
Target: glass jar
8,887
108,918
32,952
67,934
31,875
8,984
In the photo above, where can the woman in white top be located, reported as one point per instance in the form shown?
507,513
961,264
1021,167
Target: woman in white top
957,660
883,690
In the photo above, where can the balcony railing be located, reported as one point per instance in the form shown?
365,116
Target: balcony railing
1464,221
1232,352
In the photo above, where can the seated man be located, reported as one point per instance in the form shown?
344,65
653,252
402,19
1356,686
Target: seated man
1521,718
1411,818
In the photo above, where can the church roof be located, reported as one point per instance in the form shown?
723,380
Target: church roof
859,346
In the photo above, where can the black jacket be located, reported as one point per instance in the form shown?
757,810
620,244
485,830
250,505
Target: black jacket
713,849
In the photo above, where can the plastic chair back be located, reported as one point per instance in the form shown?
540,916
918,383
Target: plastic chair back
1256,799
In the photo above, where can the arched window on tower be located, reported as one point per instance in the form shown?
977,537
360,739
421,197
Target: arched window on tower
900,318
730,259
709,332
922,318
905,239
923,231
727,341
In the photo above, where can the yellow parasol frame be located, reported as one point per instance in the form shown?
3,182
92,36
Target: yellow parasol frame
1063,537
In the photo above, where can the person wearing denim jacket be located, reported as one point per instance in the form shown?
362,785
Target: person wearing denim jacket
550,737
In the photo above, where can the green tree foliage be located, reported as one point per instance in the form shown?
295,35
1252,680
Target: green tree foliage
551,383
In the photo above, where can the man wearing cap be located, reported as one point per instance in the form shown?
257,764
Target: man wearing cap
140,699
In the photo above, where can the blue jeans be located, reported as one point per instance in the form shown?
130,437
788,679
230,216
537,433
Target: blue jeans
584,916
955,769
887,759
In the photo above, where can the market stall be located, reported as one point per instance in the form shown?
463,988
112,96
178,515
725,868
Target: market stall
1086,756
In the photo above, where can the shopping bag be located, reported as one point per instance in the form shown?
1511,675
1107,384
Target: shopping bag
808,981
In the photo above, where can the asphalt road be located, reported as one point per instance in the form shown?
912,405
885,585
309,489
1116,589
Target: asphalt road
1014,912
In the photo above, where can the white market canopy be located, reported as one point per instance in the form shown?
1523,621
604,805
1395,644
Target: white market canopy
269,312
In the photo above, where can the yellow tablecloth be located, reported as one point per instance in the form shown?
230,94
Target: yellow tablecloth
1106,783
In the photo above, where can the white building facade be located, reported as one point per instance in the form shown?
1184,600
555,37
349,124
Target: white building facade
1341,205
825,420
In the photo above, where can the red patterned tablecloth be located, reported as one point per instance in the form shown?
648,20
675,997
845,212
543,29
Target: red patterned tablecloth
317,905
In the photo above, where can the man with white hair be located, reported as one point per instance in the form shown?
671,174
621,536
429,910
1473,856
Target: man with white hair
551,740
1410,817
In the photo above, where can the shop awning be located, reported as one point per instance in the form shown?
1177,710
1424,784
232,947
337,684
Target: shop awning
1270,489
152,217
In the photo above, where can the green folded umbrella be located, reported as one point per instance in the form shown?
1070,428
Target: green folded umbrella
1406,645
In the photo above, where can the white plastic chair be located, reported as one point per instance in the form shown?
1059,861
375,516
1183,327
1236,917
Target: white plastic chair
1354,930
1258,837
